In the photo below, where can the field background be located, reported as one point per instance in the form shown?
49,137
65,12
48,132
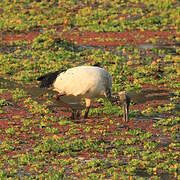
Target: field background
137,41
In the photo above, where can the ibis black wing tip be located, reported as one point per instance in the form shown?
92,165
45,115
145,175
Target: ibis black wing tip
48,79
40,78
97,64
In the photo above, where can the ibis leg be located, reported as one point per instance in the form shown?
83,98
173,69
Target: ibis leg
86,112
75,114
125,117
88,104
78,114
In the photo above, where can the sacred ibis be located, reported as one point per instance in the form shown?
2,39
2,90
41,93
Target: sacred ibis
87,82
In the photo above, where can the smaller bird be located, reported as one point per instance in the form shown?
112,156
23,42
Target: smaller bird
85,82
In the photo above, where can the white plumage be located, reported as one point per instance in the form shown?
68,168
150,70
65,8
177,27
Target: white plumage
86,82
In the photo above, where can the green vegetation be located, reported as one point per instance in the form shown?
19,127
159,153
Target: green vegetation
90,15
38,140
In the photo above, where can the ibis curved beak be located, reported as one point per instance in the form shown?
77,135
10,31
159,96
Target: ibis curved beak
126,102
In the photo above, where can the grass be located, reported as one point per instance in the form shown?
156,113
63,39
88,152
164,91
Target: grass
37,137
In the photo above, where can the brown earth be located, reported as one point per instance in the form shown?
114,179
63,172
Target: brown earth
14,114
105,39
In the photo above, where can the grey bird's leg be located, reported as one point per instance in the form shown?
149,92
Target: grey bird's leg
124,98
126,102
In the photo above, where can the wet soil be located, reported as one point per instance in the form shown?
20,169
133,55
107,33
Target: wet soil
100,39
8,37
14,113
151,96
114,39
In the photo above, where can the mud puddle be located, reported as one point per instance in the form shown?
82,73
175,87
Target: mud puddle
149,95
170,48
41,95
164,176
38,94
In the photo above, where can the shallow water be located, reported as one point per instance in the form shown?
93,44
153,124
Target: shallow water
39,94
149,95
163,176
170,48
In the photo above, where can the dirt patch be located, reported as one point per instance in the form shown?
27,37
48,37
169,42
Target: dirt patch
113,39
11,37
104,39
3,123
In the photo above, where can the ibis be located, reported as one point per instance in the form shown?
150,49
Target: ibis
85,82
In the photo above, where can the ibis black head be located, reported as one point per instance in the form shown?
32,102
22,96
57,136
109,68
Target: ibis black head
48,79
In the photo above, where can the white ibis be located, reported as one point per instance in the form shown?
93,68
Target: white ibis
86,82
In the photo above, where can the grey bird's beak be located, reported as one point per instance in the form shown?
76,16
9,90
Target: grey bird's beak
125,99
